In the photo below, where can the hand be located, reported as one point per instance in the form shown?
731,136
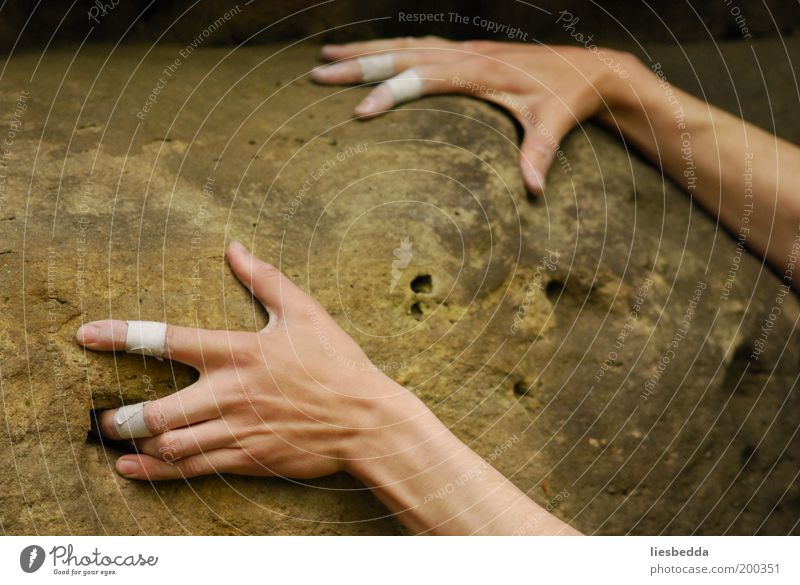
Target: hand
299,398
548,89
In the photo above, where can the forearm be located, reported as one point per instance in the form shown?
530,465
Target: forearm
745,176
437,485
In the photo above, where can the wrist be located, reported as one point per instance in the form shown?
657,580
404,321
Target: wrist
396,431
620,88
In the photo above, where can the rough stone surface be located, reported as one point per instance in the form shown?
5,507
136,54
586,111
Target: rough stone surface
104,215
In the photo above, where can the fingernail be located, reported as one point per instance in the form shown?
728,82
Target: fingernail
319,73
331,71
328,48
366,106
127,467
87,334
535,182
237,245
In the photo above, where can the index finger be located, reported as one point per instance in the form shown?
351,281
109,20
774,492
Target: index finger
194,347
383,65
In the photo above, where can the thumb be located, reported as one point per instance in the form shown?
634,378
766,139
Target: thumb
277,293
542,141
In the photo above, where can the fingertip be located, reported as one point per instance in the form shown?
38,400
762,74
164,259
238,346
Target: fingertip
534,180
319,74
146,467
105,335
129,467
329,52
377,102
534,162
367,107
87,334
236,247
106,425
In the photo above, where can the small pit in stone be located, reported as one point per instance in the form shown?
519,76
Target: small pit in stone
521,388
747,455
416,311
422,284
554,289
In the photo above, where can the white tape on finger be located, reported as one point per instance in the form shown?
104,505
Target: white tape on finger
129,422
405,87
376,67
146,338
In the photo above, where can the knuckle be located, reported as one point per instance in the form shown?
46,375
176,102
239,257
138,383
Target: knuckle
172,339
259,453
480,66
248,356
477,46
155,418
247,394
189,467
226,400
266,269
234,397
169,447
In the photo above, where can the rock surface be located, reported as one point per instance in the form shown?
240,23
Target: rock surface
535,331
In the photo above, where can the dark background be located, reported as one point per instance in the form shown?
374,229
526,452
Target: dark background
618,23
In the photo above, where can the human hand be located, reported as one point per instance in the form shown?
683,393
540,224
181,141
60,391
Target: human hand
298,398
548,89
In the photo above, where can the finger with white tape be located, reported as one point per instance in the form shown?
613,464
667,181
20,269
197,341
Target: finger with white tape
405,87
361,70
195,347
376,67
129,422
194,404
146,338
401,88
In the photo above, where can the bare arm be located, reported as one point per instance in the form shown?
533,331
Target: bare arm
747,177
740,173
437,485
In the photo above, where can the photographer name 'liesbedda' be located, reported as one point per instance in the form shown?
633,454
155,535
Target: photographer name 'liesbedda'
66,560
678,552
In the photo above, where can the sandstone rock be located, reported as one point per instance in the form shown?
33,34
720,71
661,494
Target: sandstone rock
540,323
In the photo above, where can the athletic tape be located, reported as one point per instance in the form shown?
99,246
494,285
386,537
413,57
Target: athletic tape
405,87
146,338
376,67
129,422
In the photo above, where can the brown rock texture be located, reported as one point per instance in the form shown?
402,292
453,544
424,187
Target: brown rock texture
595,345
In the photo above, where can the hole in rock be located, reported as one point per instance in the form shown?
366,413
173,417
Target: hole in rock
93,437
554,289
521,388
747,455
416,311
422,284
